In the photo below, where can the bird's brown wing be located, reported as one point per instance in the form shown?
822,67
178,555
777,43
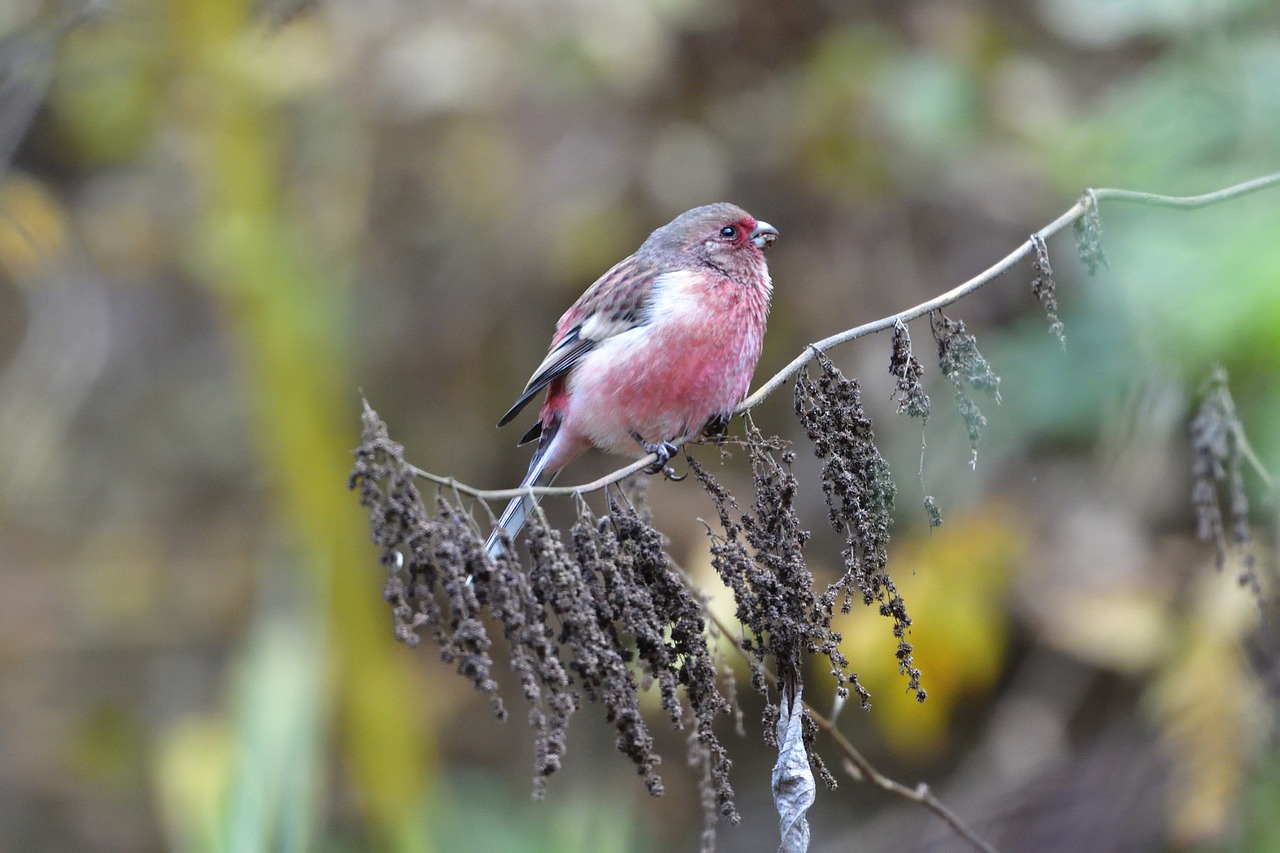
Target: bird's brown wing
616,302
568,352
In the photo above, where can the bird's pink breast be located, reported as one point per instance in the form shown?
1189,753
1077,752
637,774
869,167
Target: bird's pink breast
665,380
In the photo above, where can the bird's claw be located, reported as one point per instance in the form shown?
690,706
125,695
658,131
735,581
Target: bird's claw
664,450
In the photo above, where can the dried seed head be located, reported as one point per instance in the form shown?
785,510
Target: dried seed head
1088,231
860,494
908,372
1045,289
962,364
1217,454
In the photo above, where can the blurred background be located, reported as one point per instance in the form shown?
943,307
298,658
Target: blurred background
222,221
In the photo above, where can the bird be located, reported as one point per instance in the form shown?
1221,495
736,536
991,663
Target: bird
660,348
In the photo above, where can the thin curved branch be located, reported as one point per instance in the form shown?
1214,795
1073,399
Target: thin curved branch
921,794
1077,210
542,491
1189,202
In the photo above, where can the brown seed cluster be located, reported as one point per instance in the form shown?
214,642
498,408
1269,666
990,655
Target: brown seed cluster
962,364
759,556
1217,454
439,581
595,615
860,494
909,373
913,402
1088,231
1045,288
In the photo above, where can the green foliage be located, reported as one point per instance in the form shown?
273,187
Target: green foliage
108,86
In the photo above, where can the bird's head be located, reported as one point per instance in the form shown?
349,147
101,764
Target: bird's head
723,236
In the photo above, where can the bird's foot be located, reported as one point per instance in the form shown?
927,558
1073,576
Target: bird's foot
664,450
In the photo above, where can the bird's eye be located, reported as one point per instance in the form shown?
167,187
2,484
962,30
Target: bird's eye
728,232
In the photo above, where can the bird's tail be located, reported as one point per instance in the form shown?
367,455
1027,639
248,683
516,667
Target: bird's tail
518,511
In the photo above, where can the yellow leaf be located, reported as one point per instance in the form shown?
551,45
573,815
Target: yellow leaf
32,228
954,581
1211,707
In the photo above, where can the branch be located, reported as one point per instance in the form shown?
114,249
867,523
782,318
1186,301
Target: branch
921,794
1088,203
544,491
1090,199
1189,202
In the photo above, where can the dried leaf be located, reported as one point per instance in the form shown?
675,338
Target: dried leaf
794,788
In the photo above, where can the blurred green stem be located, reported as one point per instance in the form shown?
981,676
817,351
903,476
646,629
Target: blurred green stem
285,312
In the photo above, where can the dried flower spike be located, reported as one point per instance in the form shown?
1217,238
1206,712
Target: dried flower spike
908,371
1045,289
1217,453
962,364
1088,231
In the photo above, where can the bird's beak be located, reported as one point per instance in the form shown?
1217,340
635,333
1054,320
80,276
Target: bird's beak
764,235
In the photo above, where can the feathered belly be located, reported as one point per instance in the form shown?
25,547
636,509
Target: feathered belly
661,383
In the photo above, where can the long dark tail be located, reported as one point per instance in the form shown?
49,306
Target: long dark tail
517,512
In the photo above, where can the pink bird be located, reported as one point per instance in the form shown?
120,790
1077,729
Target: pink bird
660,348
